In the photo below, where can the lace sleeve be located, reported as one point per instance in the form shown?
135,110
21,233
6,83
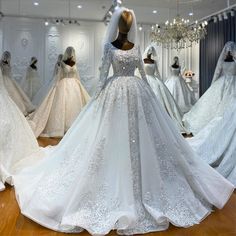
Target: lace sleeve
141,67
106,63
104,69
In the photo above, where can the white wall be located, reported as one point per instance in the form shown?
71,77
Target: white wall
25,37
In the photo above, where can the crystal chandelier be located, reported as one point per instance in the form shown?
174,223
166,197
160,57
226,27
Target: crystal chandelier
179,33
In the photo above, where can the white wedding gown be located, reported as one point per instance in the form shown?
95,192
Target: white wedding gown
122,165
180,91
15,92
214,101
16,140
216,143
31,84
61,106
164,96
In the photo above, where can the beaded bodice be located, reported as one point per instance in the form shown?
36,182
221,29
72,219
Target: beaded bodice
123,62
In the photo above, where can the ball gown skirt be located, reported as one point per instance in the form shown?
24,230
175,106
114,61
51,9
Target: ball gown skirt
180,91
16,93
121,166
214,101
60,108
216,143
164,97
17,139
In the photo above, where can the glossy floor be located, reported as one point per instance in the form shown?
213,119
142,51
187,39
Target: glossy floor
12,223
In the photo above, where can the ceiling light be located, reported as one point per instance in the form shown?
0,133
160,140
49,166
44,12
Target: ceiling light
225,15
36,3
154,11
220,17
79,6
190,13
140,28
46,23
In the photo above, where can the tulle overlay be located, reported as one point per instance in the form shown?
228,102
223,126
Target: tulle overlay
17,139
214,101
123,165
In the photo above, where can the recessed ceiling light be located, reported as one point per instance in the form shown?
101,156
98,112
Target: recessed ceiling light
79,6
46,23
140,28
190,13
154,11
36,3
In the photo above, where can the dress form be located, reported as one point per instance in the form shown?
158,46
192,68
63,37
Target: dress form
70,62
124,26
229,57
148,59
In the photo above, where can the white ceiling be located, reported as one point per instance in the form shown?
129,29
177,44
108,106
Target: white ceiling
96,9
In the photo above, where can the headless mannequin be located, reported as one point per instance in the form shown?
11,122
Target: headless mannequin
229,57
33,65
148,59
5,62
69,62
176,64
125,23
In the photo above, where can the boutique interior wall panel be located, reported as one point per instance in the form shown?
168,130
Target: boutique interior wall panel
26,37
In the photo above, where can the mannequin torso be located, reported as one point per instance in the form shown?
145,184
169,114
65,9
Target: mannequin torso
125,23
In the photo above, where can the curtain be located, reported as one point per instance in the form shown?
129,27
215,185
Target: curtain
218,33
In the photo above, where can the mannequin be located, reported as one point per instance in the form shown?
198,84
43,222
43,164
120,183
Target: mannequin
176,63
70,62
124,26
148,59
229,57
33,64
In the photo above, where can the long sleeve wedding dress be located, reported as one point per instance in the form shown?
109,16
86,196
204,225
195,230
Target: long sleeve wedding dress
122,165
216,99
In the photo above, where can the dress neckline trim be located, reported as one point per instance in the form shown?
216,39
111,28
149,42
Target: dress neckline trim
121,49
